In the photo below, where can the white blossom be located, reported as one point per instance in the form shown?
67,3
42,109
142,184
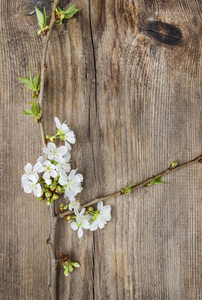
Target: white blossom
31,185
55,153
29,170
103,216
82,221
49,171
65,166
39,165
72,183
64,129
74,204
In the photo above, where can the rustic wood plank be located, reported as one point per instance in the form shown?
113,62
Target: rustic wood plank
134,104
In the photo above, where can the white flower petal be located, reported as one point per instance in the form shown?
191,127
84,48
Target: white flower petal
74,226
59,159
80,232
46,175
37,190
41,159
71,140
100,205
66,167
101,224
94,226
62,180
41,169
37,167
46,150
27,189
51,146
34,178
72,174
62,150
67,157
67,145
28,168
106,209
24,178
86,224
82,212
53,173
48,181
65,128
57,122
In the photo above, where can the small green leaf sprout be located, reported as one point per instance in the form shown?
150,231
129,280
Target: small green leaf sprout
155,181
174,164
128,189
33,85
60,14
41,21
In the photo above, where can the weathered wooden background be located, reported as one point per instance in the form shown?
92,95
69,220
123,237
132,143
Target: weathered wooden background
134,104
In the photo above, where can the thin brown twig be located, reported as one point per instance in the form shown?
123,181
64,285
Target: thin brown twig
52,215
51,244
136,186
43,72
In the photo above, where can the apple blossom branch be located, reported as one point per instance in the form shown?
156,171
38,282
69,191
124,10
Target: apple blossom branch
144,183
52,216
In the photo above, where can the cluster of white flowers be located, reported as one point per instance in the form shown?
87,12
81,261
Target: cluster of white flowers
92,219
53,176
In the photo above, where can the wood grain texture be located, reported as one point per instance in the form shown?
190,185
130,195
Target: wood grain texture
135,106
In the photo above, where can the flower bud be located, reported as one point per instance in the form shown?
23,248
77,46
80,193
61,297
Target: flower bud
58,189
174,164
75,264
71,269
40,198
48,194
48,202
55,197
53,186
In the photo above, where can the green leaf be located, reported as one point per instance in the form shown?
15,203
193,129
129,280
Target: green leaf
44,15
58,9
71,11
36,82
27,112
40,18
35,109
27,82
156,181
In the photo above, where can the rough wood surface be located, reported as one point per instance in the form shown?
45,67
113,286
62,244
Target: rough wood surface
134,104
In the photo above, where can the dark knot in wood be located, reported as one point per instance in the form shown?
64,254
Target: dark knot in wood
162,32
